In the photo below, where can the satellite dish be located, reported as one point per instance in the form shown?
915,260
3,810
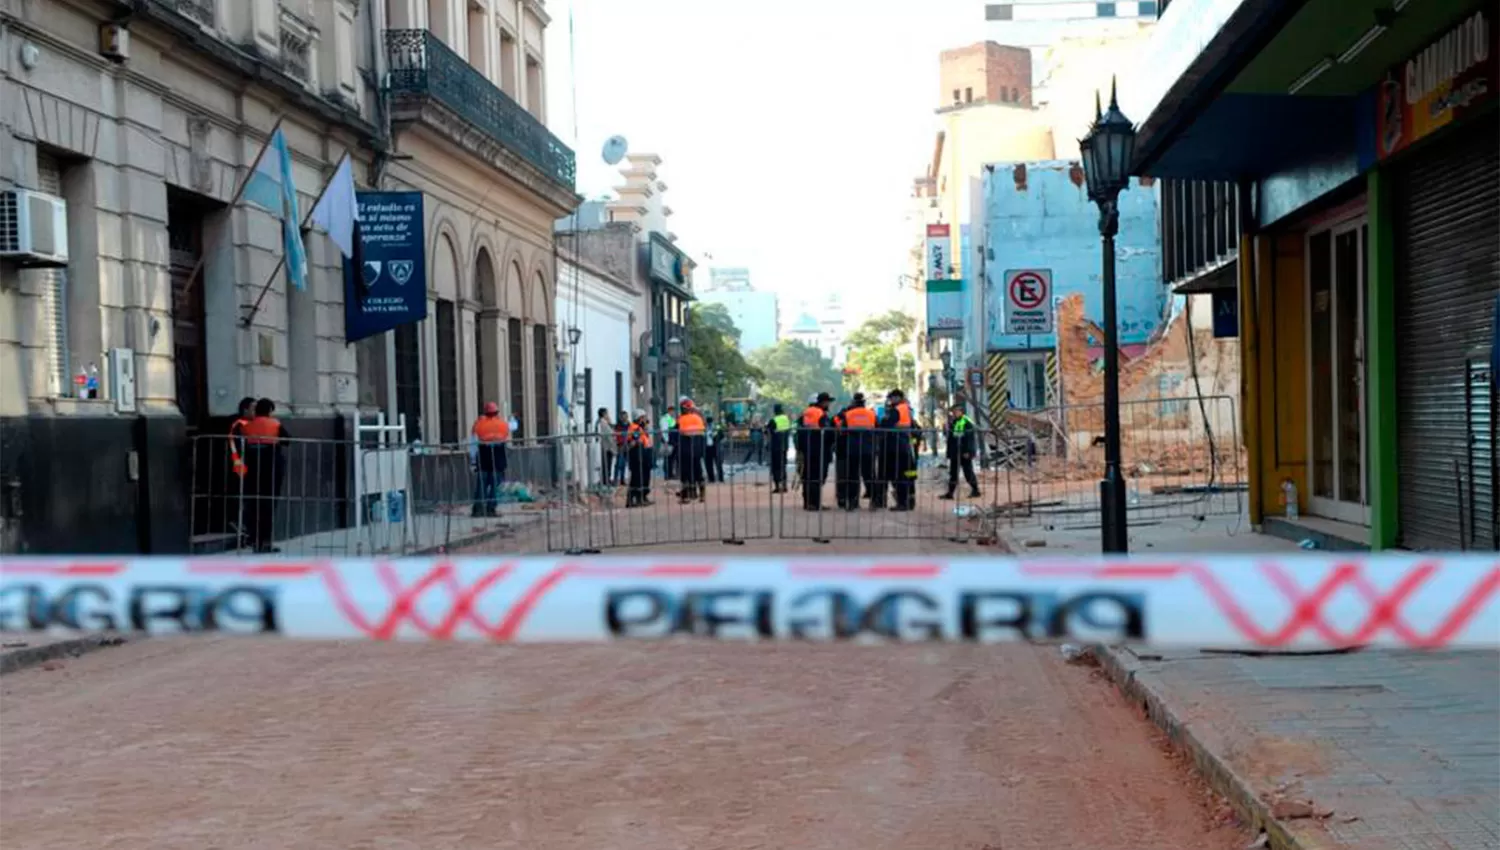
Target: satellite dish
614,149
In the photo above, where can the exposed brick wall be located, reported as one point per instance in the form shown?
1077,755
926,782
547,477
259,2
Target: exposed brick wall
993,73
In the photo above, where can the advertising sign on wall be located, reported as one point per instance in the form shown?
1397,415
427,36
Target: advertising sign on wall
1447,80
939,252
945,308
390,288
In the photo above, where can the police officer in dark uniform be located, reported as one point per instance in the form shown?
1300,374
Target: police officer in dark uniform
813,443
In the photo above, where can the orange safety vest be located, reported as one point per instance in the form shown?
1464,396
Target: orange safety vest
492,429
903,415
236,431
691,424
860,417
638,434
813,417
263,431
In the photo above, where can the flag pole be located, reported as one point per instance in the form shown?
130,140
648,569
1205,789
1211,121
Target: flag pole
275,270
239,193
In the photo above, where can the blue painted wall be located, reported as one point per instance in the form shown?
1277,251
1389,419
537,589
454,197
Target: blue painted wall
1052,225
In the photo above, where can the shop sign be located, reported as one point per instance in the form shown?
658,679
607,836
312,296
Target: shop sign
939,247
945,309
666,264
1447,80
1226,307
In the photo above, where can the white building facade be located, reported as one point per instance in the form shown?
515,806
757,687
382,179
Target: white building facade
601,307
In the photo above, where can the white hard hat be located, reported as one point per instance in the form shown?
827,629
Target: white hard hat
639,413
812,399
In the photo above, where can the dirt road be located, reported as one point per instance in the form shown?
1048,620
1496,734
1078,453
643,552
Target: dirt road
228,744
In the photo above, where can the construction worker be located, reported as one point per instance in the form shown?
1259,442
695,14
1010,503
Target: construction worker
813,445
900,468
779,434
859,449
638,460
234,482
962,438
691,433
265,456
490,436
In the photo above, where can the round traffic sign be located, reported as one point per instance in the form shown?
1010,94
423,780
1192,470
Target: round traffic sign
1027,291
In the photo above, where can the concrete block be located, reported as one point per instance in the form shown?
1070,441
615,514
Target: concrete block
145,195
142,106
143,149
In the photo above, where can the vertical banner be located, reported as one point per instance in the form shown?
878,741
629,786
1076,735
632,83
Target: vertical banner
389,289
939,252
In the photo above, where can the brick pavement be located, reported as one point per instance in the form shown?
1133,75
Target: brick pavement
1403,747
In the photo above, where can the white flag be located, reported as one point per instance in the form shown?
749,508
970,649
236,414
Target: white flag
337,208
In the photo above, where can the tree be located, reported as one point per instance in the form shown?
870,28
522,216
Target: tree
793,370
713,346
880,355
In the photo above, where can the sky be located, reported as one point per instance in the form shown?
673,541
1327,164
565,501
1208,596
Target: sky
789,131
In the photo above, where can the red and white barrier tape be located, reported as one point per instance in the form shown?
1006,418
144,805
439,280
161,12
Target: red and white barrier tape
1296,602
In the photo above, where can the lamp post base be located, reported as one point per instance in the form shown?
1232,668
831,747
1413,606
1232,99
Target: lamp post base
1114,539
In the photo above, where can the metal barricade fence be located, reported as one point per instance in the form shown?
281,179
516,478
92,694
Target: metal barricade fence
1181,457
376,495
886,484
373,495
646,500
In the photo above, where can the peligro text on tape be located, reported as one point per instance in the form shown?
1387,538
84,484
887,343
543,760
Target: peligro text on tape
1303,601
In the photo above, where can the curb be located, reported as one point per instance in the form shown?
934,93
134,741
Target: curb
1126,671
20,658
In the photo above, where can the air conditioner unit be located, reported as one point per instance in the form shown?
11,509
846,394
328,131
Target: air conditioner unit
33,228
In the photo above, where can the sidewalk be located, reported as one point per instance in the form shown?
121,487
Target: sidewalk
1229,535
1375,750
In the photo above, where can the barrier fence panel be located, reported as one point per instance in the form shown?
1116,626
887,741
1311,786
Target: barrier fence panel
377,495
1181,457
722,499
885,484
369,496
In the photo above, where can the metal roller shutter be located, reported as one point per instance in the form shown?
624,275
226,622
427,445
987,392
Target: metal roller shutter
1448,274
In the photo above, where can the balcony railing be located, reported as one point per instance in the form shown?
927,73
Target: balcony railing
296,55
421,66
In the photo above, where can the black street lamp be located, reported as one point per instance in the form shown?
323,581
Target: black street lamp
1107,151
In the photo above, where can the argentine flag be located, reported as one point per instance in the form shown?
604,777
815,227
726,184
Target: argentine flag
270,187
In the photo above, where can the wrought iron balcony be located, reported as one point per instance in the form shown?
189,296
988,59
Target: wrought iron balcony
422,67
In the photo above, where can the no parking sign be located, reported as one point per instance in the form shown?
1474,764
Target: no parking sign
1028,301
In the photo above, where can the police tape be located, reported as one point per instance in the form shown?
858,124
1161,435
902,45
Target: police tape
1297,602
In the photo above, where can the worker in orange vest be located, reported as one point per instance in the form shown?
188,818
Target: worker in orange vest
491,435
900,467
813,445
638,460
234,482
265,455
857,451
691,438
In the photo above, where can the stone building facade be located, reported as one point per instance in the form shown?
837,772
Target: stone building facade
147,138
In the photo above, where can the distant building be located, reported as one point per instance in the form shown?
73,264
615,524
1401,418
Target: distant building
822,327
756,314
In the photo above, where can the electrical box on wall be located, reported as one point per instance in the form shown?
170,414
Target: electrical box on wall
122,378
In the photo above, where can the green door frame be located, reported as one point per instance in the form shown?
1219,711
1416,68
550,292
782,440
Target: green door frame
1380,347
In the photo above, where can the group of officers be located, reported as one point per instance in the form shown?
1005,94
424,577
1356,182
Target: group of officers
874,453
